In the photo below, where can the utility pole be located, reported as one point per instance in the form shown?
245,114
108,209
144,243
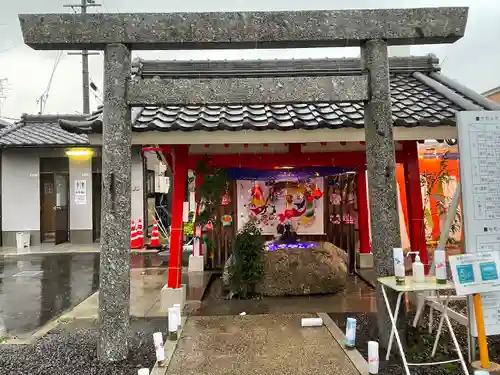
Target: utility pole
85,56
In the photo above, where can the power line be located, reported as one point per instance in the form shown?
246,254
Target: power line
10,48
42,100
85,54
95,91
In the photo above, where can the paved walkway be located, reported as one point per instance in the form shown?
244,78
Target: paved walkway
257,344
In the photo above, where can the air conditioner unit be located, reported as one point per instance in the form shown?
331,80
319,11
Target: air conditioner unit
160,168
162,184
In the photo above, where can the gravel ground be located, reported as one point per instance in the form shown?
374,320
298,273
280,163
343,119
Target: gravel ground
419,342
71,348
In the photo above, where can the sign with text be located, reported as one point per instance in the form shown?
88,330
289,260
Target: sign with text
475,273
478,139
80,191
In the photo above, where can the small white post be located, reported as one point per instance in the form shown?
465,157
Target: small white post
172,324
159,348
311,322
177,308
350,333
373,358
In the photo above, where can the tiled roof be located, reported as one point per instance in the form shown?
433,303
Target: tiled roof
41,130
420,97
4,123
413,103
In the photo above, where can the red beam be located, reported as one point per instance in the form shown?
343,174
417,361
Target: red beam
414,201
363,219
295,148
299,160
180,159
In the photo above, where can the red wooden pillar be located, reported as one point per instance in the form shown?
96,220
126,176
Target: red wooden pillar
363,219
179,164
414,202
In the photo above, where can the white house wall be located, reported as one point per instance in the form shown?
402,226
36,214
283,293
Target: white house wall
80,215
21,194
137,211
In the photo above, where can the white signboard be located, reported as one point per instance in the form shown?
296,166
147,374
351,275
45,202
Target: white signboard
479,140
475,273
80,191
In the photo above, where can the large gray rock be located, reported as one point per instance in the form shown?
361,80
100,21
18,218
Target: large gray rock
319,270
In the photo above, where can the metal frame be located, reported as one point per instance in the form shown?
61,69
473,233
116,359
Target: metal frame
444,318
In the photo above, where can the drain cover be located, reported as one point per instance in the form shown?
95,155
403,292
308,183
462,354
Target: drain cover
28,273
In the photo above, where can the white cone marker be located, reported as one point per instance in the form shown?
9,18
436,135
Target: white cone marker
373,360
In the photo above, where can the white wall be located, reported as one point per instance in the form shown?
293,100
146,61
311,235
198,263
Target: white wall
20,190
137,186
80,215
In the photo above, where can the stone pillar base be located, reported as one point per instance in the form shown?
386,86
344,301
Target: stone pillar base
196,263
171,296
494,367
364,261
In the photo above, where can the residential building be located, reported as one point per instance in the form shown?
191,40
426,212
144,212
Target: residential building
51,182
493,94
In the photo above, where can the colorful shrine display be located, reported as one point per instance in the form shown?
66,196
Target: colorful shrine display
299,202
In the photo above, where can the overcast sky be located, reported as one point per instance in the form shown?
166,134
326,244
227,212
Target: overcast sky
474,60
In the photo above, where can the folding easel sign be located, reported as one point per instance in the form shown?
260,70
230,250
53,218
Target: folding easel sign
475,273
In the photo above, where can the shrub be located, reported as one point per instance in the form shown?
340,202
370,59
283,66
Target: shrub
247,267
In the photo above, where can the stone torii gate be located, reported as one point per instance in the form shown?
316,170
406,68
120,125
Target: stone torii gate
118,34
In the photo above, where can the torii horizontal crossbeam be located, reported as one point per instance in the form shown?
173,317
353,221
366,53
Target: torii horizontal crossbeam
238,30
185,91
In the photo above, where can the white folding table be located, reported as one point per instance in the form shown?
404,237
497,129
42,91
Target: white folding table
427,286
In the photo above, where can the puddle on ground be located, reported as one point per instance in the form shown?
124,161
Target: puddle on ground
36,289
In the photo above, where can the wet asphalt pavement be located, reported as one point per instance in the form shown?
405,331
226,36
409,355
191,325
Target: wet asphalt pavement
37,289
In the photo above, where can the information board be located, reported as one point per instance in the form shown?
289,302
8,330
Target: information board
479,147
475,273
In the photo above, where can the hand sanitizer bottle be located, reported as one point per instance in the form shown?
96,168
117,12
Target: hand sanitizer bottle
418,270
399,267
440,262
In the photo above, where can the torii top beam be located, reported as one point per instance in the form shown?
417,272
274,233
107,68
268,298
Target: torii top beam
239,30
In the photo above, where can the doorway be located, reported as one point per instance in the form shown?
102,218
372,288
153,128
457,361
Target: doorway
54,200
